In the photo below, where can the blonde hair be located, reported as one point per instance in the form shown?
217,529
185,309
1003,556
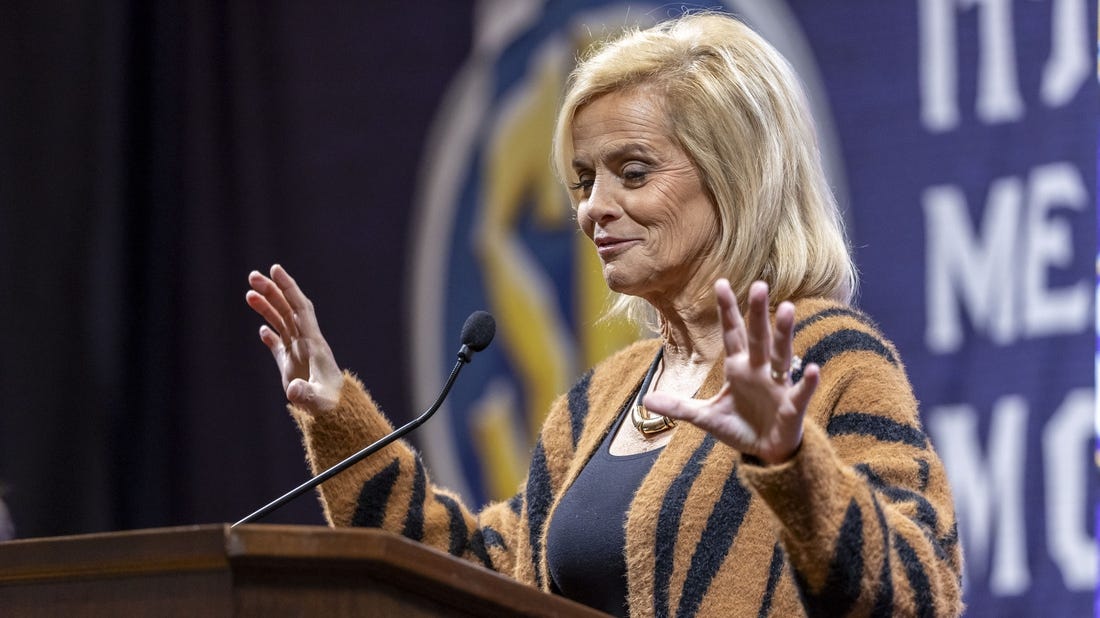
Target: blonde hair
736,107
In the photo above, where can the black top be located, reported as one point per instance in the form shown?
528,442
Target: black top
586,539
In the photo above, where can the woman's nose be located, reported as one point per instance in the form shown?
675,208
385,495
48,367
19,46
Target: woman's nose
600,204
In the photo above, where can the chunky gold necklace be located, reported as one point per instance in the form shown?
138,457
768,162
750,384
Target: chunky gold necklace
648,423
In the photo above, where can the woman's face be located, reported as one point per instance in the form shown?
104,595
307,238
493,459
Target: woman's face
640,198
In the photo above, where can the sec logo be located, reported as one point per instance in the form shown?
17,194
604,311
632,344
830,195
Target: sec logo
495,231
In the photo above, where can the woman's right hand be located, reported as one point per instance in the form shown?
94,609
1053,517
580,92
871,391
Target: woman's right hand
311,377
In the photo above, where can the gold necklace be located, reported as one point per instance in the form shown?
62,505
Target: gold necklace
648,423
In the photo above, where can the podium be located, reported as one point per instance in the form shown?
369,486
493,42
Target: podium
256,570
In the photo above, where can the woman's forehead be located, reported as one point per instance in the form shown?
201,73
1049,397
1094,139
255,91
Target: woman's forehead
621,120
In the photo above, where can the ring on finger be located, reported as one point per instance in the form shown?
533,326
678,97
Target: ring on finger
782,375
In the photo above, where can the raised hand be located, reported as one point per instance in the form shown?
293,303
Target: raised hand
311,377
758,411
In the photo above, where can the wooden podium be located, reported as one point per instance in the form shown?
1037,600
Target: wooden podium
256,570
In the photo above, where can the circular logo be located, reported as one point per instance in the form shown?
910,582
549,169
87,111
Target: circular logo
495,231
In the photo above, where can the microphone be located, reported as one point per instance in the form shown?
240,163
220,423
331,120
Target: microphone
477,332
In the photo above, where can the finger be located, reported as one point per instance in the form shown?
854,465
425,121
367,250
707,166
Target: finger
275,296
782,339
733,327
669,405
303,314
262,306
802,392
695,411
759,329
271,339
300,392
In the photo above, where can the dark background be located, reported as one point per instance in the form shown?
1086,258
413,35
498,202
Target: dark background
151,155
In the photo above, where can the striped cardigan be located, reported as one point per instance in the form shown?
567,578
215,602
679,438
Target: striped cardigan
859,522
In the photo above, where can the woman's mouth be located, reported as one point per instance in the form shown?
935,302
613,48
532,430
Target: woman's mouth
610,246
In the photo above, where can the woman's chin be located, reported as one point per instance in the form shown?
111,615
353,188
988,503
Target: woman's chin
613,279
621,285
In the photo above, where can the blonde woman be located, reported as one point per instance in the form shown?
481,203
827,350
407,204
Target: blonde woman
757,457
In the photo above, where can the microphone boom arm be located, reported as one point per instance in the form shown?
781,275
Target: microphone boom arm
464,356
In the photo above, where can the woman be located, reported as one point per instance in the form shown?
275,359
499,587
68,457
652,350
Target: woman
771,464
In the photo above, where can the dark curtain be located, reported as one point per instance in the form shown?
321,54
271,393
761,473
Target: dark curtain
151,154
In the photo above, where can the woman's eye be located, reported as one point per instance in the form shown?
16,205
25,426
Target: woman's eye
634,175
584,184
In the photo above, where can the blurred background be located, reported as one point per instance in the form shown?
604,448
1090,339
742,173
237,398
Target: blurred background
394,158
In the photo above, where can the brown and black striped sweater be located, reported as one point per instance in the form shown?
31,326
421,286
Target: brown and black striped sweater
859,522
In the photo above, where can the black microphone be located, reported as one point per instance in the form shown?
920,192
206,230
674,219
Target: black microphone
477,332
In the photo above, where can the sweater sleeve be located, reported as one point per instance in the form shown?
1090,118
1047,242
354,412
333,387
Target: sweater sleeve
865,509
391,489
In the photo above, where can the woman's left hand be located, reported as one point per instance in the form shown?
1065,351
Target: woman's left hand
758,411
